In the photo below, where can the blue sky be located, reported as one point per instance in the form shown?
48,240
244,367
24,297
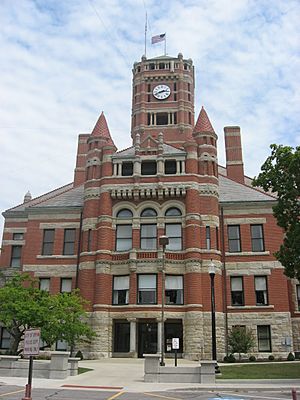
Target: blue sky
63,62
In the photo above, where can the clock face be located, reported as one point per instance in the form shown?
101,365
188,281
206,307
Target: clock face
161,92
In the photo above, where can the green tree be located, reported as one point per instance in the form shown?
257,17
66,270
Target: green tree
280,174
240,340
60,316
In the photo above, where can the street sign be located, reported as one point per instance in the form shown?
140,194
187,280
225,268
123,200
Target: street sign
32,342
175,343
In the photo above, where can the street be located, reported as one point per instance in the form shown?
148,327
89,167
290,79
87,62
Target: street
17,392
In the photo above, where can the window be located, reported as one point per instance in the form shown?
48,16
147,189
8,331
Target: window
149,168
44,284
127,168
124,237
217,238
298,296
264,338
173,212
174,289
18,236
261,292
148,212
234,239
66,285
170,167
69,242
124,213
237,292
89,240
16,252
121,290
48,242
146,289
5,338
148,237
207,235
174,233
121,336
162,119
257,238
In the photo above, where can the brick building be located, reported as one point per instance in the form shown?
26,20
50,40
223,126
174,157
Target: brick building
101,232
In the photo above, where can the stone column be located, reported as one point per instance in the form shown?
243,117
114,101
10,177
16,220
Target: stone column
159,336
132,336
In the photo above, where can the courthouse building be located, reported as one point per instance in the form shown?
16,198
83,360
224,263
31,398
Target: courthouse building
101,233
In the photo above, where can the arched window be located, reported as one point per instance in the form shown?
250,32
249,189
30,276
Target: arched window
124,231
148,231
124,213
173,212
149,212
173,230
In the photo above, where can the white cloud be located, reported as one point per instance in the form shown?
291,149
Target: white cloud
64,62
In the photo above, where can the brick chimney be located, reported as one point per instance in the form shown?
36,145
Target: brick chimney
234,156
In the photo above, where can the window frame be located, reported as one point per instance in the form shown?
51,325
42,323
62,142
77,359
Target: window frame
264,291
149,171
298,296
262,337
144,238
234,302
179,292
16,259
20,234
3,338
68,242
208,237
47,243
231,240
66,279
168,246
126,239
116,291
45,280
154,289
259,239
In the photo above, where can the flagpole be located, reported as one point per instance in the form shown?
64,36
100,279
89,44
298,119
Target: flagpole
165,44
146,36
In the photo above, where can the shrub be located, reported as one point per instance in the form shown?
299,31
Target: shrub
252,358
271,357
79,355
290,357
230,358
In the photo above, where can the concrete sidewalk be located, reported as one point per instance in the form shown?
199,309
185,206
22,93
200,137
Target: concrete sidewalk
128,374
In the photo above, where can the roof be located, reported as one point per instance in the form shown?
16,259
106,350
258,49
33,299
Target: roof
130,151
203,123
69,196
101,130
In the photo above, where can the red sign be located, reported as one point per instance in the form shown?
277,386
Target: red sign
32,342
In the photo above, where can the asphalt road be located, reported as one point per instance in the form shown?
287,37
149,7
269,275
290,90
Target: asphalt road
17,393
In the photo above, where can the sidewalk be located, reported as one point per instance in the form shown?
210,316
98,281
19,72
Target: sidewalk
128,374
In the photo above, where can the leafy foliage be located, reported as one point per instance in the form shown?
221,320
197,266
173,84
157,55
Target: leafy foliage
240,340
281,175
24,306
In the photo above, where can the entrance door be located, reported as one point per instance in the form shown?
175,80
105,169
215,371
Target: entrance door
147,338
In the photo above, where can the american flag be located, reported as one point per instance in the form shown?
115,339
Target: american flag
158,38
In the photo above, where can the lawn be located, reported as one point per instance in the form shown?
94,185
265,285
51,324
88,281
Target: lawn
283,370
82,370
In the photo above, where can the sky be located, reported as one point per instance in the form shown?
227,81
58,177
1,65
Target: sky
64,62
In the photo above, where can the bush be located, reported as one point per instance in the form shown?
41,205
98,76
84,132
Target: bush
290,357
230,358
79,355
271,357
252,358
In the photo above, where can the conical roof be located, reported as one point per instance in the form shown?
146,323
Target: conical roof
203,123
101,129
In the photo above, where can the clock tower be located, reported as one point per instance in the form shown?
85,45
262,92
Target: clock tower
163,99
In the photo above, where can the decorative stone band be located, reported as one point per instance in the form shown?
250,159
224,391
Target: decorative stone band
150,192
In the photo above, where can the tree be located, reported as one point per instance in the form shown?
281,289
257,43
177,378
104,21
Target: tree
240,340
281,175
24,306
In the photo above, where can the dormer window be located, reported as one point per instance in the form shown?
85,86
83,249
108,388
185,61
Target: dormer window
170,167
152,66
149,168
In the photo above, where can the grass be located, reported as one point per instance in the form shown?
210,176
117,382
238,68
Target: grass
283,370
82,370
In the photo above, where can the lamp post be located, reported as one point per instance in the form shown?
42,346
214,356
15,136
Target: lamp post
212,273
163,241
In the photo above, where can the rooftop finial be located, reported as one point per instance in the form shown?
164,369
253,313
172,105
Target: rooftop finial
27,197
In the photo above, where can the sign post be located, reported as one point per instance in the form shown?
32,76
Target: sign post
31,348
175,346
